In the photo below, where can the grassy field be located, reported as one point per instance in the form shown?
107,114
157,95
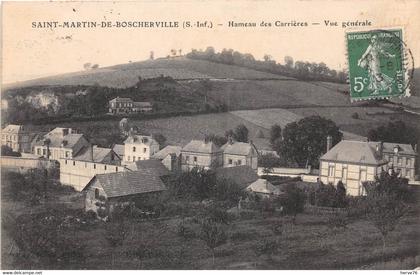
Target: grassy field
126,75
309,244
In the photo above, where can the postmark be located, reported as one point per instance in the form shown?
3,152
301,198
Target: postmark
377,64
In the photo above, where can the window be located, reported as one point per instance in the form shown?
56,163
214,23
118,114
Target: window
38,152
195,159
104,167
96,193
134,159
239,162
44,152
85,165
67,154
74,163
187,158
330,171
399,161
65,161
230,161
407,162
116,169
144,150
134,148
94,166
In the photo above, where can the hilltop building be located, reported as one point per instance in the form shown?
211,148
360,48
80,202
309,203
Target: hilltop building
124,105
198,153
60,143
17,137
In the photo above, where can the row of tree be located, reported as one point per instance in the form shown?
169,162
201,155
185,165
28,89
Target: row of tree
299,69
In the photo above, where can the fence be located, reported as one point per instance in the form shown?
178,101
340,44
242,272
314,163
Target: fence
24,164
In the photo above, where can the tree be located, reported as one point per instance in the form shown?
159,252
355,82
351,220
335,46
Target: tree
341,195
397,132
267,57
161,139
275,134
304,141
213,234
385,203
216,139
241,133
268,162
116,233
7,151
294,201
288,60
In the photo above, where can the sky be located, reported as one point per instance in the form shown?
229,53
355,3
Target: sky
29,53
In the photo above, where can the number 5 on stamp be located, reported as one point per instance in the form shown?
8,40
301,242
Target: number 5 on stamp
376,67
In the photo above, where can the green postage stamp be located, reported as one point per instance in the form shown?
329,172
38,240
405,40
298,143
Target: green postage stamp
376,64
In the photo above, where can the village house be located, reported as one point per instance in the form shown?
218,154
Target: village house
151,165
119,150
60,143
264,189
242,175
123,105
240,153
400,157
170,156
107,191
352,162
91,160
198,153
139,147
17,137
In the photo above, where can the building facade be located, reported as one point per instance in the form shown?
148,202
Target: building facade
201,154
240,153
123,105
17,137
139,147
352,162
60,143
400,157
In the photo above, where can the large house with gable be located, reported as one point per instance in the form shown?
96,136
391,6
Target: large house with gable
199,153
240,153
17,137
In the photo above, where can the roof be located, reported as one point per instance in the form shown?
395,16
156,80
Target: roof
134,138
263,186
129,183
58,140
153,165
262,144
99,155
13,128
119,149
406,149
355,152
237,148
242,175
170,149
142,104
199,146
121,99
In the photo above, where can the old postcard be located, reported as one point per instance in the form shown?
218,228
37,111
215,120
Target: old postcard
210,135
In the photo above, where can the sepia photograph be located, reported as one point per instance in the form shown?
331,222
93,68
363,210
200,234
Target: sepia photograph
210,135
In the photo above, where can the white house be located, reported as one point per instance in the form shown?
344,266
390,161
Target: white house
198,153
17,137
401,157
139,147
240,153
60,143
352,162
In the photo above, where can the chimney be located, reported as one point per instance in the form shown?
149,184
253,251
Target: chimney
329,143
380,148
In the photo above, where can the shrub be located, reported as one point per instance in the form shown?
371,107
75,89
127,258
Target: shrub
355,115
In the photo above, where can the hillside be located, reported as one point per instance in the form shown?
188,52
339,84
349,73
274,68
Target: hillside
126,75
